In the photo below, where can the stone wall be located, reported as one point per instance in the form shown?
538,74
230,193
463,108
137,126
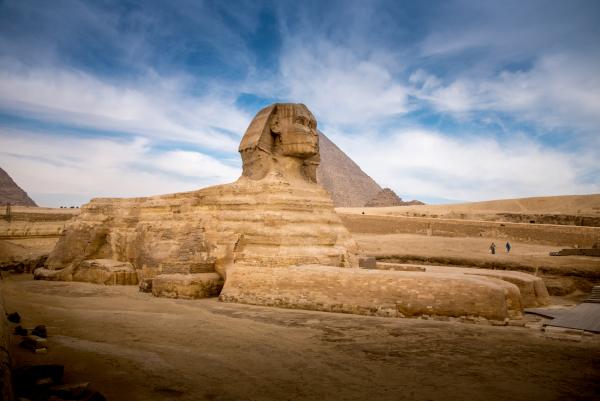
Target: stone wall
595,252
561,219
584,237
25,222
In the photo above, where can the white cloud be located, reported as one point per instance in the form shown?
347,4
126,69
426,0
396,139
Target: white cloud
155,106
82,168
557,92
419,163
340,86
194,164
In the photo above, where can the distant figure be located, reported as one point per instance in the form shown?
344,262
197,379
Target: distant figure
507,247
493,248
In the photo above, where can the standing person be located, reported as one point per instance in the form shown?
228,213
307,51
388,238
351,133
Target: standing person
493,248
508,247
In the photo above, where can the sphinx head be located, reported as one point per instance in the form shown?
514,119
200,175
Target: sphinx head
282,136
297,130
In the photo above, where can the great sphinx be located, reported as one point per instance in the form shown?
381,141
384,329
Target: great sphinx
273,215
270,238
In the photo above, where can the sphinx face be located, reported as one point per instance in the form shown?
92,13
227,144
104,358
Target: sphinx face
299,135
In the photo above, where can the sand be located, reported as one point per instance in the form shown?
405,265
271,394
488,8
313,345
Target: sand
133,346
563,275
578,205
469,248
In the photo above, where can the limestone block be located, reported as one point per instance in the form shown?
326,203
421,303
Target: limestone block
190,286
53,275
400,267
105,271
275,214
145,285
367,263
533,290
373,292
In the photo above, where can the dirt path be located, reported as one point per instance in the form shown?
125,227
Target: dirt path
133,346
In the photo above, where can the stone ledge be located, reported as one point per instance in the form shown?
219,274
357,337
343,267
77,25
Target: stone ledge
187,286
373,292
106,271
532,288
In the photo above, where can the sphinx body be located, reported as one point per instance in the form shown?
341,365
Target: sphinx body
270,238
274,215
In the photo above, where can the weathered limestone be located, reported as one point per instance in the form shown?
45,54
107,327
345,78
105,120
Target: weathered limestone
372,292
188,286
270,238
106,271
533,290
99,271
274,215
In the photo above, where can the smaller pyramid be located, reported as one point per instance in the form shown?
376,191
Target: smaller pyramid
386,197
11,193
413,203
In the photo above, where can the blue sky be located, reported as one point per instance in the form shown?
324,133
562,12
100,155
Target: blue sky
441,101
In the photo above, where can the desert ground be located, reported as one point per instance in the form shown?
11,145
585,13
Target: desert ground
572,275
577,205
133,346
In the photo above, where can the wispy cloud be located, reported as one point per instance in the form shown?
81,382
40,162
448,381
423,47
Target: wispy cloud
419,163
340,86
157,106
91,167
555,93
151,93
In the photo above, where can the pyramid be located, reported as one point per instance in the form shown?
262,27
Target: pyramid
11,193
347,184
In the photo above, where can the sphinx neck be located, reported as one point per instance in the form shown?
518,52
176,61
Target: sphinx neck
292,168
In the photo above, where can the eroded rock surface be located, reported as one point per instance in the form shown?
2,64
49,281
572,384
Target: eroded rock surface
274,215
271,238
373,292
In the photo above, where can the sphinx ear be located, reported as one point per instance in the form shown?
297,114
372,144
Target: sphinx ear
275,128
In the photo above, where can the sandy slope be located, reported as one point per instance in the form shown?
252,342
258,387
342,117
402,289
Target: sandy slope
585,205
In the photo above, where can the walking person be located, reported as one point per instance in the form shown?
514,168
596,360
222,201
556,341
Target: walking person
493,249
508,247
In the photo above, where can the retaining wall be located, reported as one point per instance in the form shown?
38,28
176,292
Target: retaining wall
582,237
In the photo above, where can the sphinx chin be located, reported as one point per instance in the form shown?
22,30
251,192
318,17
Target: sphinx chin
271,238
